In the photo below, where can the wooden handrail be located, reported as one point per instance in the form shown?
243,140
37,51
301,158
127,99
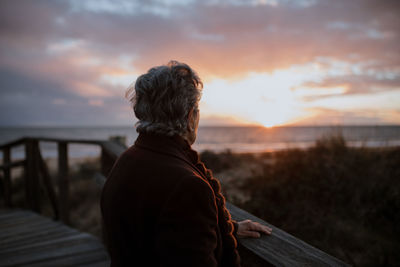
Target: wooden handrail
13,164
16,142
22,140
281,248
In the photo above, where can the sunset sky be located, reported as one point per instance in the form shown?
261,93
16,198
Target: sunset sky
271,62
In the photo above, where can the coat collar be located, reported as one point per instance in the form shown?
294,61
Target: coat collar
174,146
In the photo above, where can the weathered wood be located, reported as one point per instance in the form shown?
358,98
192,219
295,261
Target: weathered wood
39,254
110,151
36,225
44,246
13,164
32,175
118,139
281,248
81,259
68,240
13,221
113,148
48,185
106,161
16,142
6,214
100,179
69,140
7,177
63,182
97,264
49,233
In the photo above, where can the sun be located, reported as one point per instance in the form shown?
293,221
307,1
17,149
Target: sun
269,125
267,99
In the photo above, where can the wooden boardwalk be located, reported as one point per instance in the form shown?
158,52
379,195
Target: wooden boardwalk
29,239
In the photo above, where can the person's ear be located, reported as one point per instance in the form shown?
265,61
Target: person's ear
191,120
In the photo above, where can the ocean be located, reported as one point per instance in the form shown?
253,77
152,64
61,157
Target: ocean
236,139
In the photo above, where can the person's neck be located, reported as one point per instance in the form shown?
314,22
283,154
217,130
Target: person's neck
189,137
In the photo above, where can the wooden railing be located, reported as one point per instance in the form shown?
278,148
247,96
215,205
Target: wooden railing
36,172
278,249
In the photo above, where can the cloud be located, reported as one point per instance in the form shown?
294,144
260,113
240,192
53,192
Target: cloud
220,120
353,84
230,39
326,116
27,100
82,51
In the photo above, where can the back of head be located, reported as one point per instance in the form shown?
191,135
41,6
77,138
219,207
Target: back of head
163,97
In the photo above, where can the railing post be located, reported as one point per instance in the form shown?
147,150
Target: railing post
63,183
107,162
7,177
32,175
48,185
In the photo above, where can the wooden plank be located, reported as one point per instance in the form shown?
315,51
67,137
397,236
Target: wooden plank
97,264
64,241
58,241
25,228
106,161
100,179
281,248
14,223
63,182
69,140
48,185
35,256
44,242
113,148
99,257
13,164
8,214
7,177
32,237
26,223
16,142
31,176
21,141
110,151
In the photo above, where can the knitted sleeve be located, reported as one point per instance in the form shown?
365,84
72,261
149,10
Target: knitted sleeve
235,228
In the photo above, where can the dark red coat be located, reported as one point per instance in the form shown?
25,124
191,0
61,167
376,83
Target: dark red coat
159,210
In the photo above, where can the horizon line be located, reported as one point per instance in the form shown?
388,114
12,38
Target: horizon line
205,126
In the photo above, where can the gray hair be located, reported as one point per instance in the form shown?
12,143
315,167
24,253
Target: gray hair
163,97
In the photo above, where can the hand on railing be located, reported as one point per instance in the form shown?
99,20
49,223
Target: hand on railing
248,228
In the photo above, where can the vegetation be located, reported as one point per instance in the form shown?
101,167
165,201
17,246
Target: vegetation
343,200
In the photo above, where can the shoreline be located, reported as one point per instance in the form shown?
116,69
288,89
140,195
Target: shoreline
77,154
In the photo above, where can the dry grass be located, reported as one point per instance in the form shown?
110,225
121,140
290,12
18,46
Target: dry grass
345,201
